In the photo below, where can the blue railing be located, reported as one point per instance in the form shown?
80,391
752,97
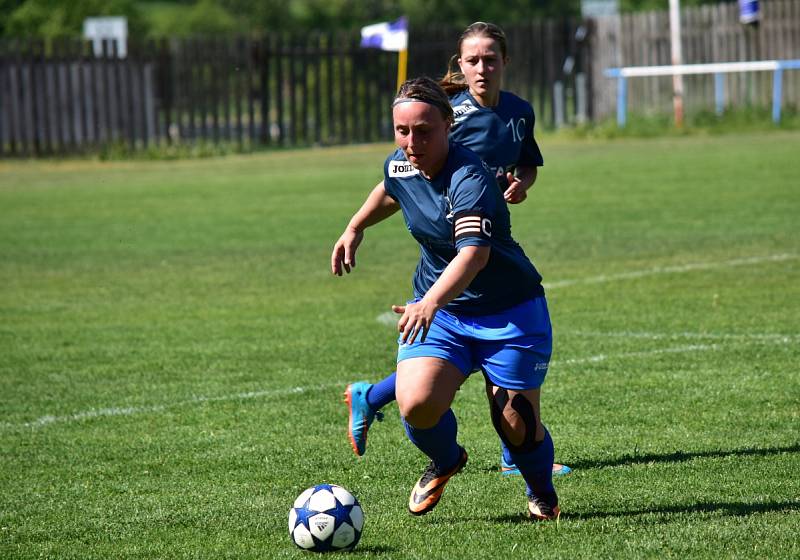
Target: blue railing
717,69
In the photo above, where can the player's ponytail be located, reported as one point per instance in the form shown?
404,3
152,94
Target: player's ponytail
453,81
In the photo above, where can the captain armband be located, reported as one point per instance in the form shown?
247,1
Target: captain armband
472,224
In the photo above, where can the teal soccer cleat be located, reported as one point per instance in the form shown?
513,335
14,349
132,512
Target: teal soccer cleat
361,415
508,469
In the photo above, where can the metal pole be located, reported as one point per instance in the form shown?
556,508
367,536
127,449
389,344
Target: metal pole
777,94
402,66
677,57
719,93
622,101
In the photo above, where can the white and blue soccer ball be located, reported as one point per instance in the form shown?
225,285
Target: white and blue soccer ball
324,518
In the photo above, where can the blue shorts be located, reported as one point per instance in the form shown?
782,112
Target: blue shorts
512,347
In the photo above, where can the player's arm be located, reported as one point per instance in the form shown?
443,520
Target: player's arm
527,167
519,183
378,206
417,317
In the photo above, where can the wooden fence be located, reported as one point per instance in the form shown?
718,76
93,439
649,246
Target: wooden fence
321,88
282,90
550,64
61,98
709,33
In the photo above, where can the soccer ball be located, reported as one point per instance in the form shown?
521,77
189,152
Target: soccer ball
326,517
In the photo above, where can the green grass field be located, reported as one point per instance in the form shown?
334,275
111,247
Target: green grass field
173,351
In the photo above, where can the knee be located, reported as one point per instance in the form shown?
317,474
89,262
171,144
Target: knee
419,411
514,429
516,423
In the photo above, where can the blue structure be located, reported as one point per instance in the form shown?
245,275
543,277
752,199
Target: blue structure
718,69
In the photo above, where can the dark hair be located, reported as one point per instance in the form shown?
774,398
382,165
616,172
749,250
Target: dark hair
453,80
428,91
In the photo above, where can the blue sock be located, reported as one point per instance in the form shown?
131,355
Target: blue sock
536,468
382,392
439,442
506,453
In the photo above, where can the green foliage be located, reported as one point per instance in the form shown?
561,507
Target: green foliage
57,18
732,121
206,17
173,351
119,151
7,7
464,12
349,14
661,5
52,18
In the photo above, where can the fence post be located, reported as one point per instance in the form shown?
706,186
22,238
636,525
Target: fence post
719,93
777,94
580,98
558,103
622,100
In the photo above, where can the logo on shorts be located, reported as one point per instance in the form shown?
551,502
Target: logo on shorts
540,367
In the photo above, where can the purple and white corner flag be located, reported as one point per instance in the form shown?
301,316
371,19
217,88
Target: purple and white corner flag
387,36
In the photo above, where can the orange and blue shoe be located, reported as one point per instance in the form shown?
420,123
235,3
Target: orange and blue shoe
509,469
430,487
540,510
361,415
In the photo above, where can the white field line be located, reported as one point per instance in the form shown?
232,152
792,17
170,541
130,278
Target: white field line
658,270
134,410
752,337
47,420
390,319
603,357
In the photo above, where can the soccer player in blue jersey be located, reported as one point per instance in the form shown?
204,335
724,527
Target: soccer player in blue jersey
498,126
478,301
495,124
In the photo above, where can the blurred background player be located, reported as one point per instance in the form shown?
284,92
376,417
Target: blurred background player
496,125
478,301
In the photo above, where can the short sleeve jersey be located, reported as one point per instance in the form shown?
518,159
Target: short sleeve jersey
502,135
459,207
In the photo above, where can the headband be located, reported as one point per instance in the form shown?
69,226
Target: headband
400,100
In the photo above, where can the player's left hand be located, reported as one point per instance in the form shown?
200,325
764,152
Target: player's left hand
416,319
516,191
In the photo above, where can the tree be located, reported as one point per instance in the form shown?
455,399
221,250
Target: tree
55,18
206,17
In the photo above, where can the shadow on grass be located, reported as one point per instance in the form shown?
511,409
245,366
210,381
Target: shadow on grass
680,456
674,457
732,509
362,550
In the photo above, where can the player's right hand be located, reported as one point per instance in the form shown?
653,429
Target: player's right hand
344,252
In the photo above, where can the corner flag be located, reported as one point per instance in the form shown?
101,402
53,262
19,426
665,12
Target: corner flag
389,36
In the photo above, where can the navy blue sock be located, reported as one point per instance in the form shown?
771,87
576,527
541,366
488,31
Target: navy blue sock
439,442
536,468
382,392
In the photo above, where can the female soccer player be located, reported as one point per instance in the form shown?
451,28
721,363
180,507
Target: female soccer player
498,126
478,300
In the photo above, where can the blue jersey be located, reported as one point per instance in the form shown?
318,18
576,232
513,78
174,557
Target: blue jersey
462,206
502,135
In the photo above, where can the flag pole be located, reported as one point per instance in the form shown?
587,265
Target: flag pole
402,66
